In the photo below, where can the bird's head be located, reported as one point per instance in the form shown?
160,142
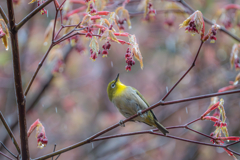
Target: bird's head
114,87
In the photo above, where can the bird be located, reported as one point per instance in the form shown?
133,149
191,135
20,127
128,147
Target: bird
129,102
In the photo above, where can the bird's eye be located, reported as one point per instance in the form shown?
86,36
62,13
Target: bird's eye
113,85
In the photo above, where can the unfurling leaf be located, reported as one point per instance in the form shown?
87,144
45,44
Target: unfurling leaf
33,1
40,133
234,55
86,19
94,45
109,34
135,49
5,34
123,14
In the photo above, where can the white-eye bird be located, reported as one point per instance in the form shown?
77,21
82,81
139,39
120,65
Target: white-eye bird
129,101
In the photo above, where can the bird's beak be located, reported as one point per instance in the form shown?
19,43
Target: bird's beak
116,79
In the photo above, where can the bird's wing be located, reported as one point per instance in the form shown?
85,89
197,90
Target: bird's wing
141,96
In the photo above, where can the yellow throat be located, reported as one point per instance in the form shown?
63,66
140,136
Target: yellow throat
115,88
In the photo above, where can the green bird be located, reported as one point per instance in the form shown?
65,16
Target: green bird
129,101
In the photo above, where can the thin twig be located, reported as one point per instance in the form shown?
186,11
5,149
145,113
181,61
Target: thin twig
38,68
30,15
10,132
3,15
54,149
8,150
193,64
57,156
5,155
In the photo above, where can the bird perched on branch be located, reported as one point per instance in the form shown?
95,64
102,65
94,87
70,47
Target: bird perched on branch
129,102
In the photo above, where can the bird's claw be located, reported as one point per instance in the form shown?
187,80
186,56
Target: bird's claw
139,112
121,123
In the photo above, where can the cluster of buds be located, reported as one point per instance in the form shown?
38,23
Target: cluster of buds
228,14
106,47
122,16
149,13
89,31
234,59
129,60
194,24
92,9
40,133
94,54
220,124
121,23
212,33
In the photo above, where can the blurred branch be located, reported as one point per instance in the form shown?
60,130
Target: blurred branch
9,133
160,11
5,155
8,150
3,15
30,15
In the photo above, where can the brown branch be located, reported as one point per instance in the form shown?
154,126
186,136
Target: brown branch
193,64
18,82
30,15
3,15
8,150
134,116
9,132
5,155
38,68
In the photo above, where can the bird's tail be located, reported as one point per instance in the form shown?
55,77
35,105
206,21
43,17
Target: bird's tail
161,128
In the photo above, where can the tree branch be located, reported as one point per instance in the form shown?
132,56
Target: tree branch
10,132
193,64
5,155
88,140
18,83
3,15
30,15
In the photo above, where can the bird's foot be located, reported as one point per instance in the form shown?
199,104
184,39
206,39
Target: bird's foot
121,123
139,112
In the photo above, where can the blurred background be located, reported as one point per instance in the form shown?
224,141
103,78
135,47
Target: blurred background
72,104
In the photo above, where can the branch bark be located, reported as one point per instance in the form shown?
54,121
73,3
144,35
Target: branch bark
18,82
30,15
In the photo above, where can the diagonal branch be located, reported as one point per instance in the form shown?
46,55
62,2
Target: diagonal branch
9,132
88,140
193,64
30,15
3,15
5,155
8,150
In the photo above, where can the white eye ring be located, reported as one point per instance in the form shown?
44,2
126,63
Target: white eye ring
113,85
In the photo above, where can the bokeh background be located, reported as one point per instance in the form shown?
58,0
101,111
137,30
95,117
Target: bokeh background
73,104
